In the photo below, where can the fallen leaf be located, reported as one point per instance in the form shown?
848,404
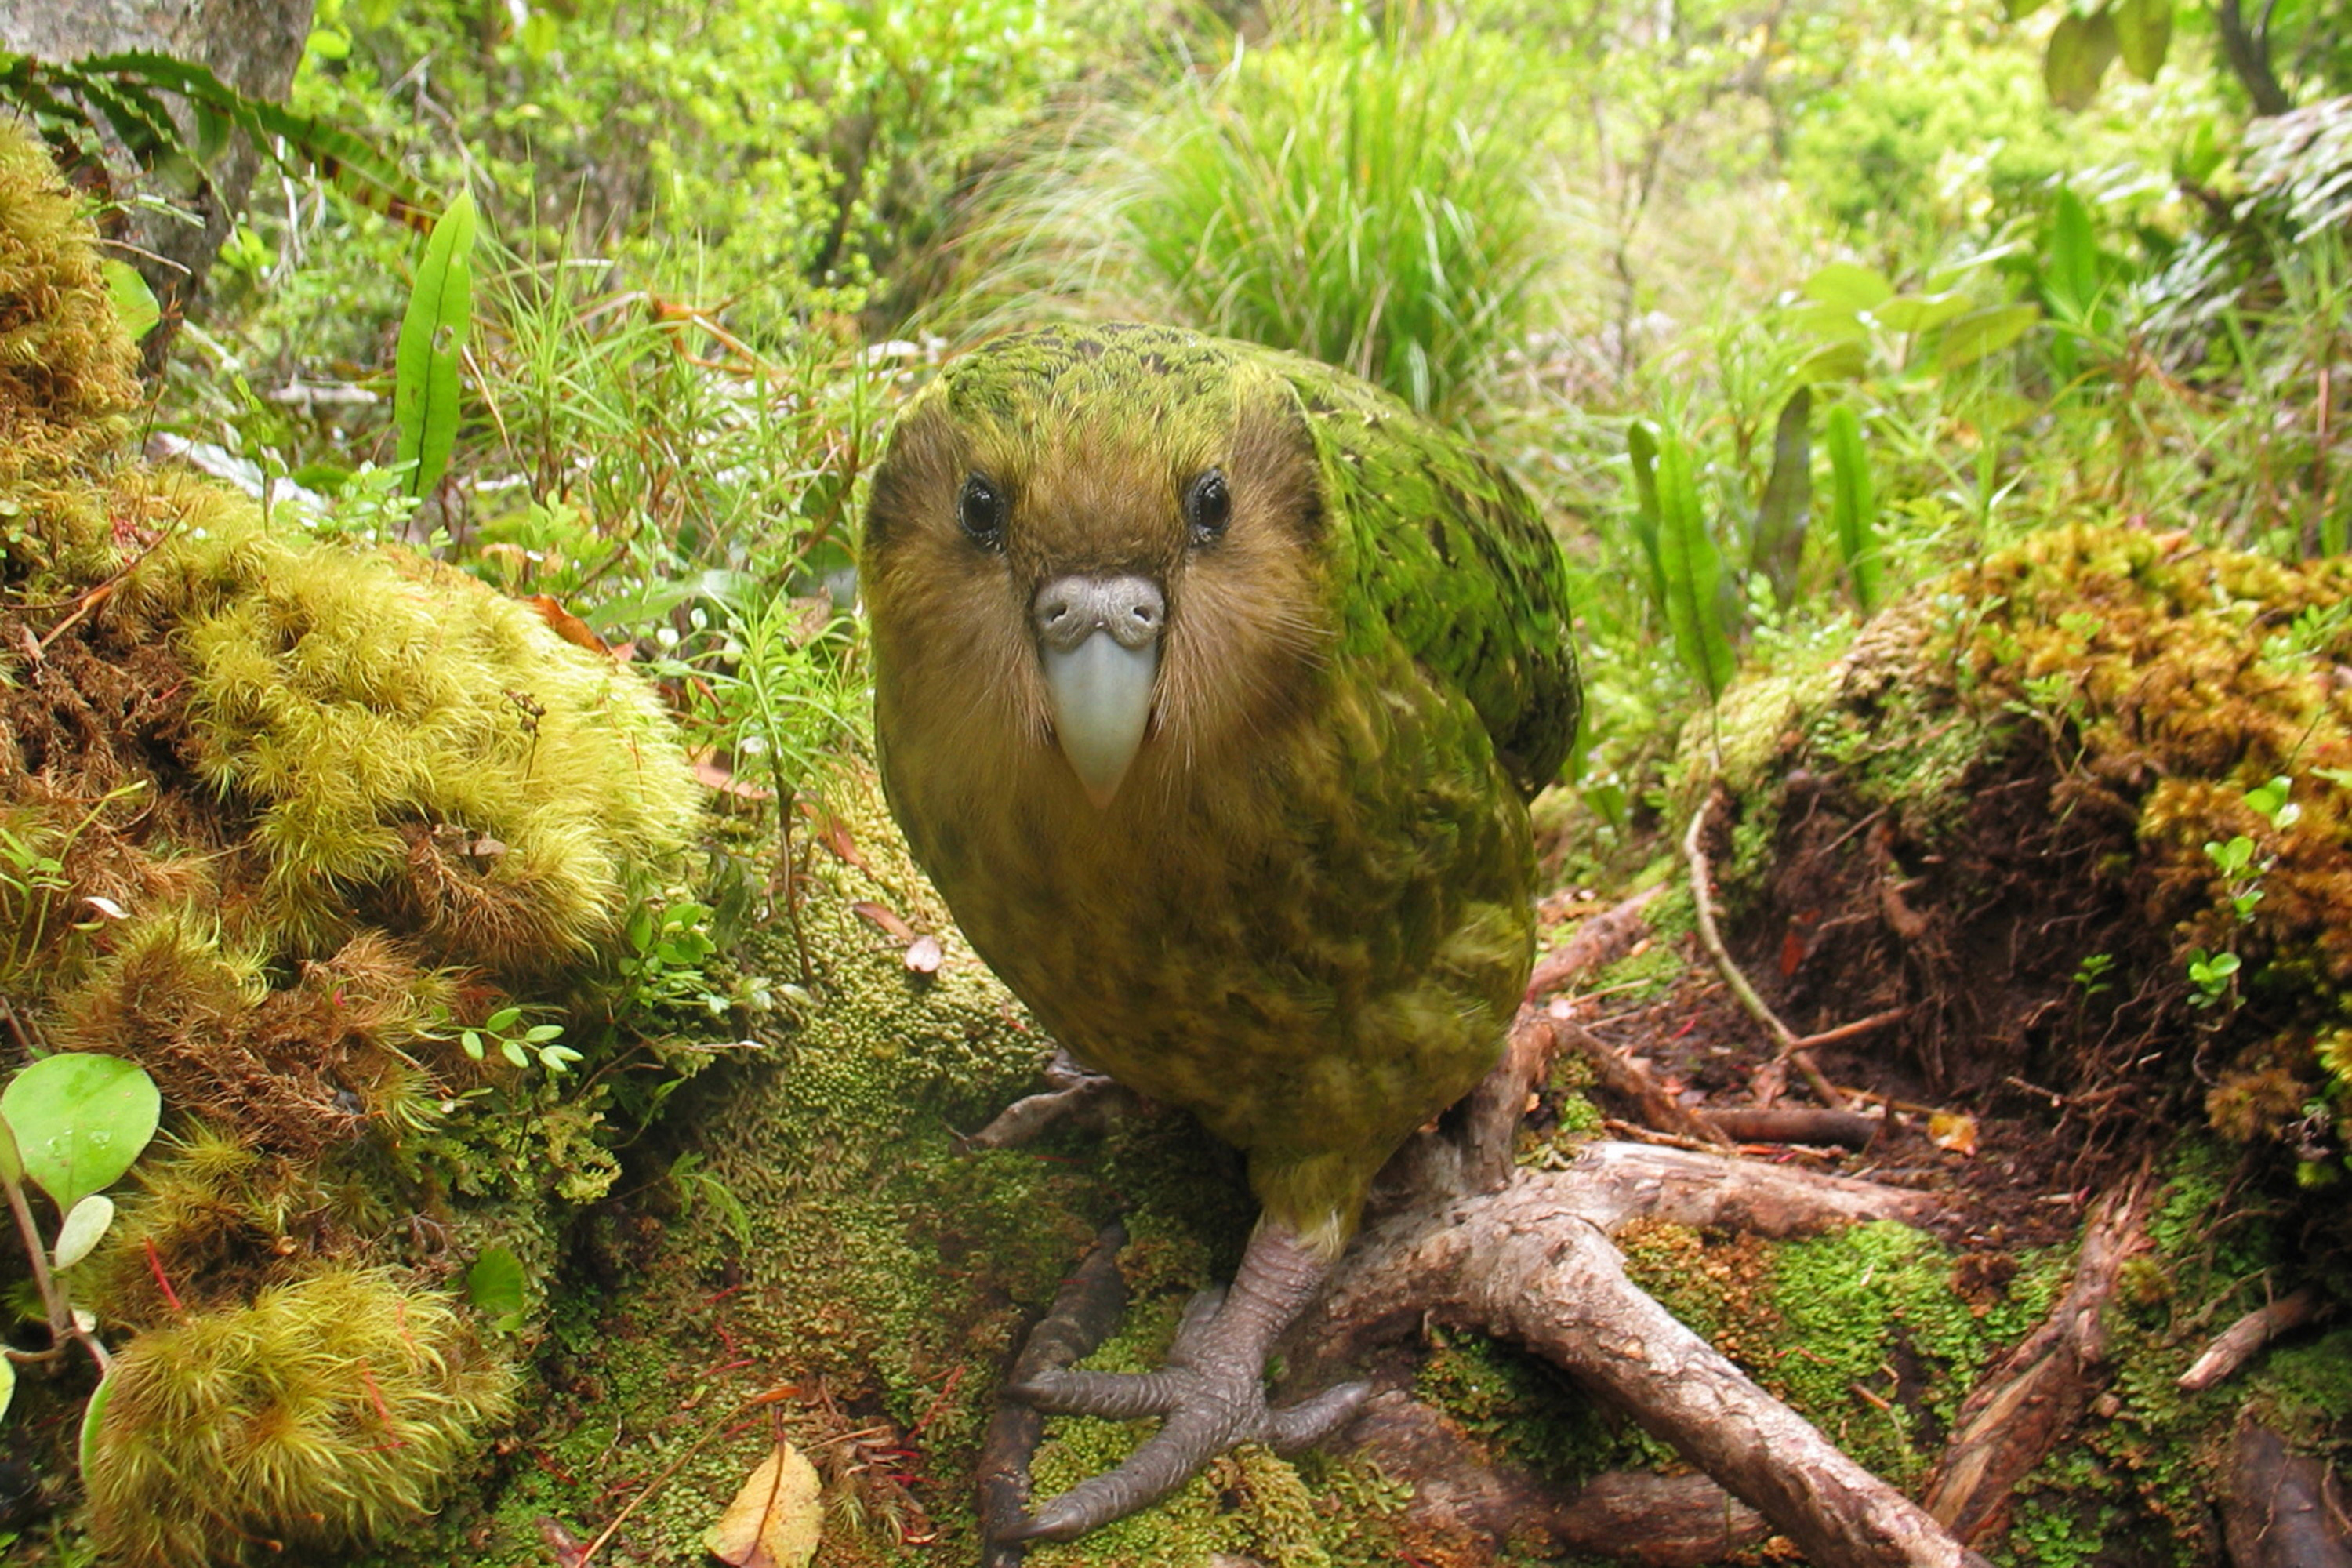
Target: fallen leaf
107,907
715,777
1952,1129
566,624
833,834
775,1520
923,954
882,919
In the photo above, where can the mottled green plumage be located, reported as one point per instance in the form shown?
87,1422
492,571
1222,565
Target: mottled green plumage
1306,915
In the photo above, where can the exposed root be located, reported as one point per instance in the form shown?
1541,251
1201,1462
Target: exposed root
1703,901
2022,1411
1465,1503
2241,1341
1533,1264
1073,1095
2285,1510
1796,1124
1599,940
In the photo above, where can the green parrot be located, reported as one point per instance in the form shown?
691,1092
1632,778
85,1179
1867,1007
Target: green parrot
1211,684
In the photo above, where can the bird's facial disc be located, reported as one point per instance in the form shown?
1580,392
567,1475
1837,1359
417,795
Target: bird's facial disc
1099,640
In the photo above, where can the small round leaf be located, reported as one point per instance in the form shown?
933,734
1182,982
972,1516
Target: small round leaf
85,1223
80,1120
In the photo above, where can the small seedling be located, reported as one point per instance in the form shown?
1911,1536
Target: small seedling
70,1125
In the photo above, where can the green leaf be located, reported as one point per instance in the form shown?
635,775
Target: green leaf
93,1417
432,343
502,1020
494,1282
1641,448
12,1167
2071,272
2019,10
1919,312
1694,573
86,1224
134,302
2144,33
2080,51
80,1120
8,1383
540,34
1786,505
1834,362
1848,285
514,1053
1980,333
355,168
1853,508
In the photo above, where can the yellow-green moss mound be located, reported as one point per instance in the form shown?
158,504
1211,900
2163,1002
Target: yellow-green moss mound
332,1410
284,821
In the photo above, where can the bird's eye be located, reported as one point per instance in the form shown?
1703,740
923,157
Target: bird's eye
980,510
1206,506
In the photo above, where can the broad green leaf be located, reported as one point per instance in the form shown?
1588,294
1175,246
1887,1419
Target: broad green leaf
1853,507
86,1222
1980,333
540,34
2071,271
1842,324
1848,284
8,1383
2144,33
1694,573
134,302
12,1167
1919,312
1641,450
1834,362
2080,51
432,344
80,1120
1786,505
495,1284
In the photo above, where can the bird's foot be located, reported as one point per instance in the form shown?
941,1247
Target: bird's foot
1210,1394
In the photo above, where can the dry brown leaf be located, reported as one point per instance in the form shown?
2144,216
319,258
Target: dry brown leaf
566,624
883,919
775,1520
1952,1129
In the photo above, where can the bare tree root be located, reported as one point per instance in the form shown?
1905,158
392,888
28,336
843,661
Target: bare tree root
1532,1263
1599,940
1464,1503
1072,1094
1703,904
2241,1341
1083,1312
2026,1406
1796,1124
2284,1510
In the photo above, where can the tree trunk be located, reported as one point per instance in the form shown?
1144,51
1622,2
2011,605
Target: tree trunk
251,45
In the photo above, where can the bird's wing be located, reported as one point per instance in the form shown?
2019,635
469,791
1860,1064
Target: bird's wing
1451,556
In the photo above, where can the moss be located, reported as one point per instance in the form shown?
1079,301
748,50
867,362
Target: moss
329,1410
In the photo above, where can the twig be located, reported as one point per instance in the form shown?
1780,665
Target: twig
1703,901
2237,1344
1845,1032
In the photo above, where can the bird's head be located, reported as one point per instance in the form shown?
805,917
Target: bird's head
1094,555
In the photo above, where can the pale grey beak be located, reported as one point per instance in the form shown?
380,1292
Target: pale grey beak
1100,637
